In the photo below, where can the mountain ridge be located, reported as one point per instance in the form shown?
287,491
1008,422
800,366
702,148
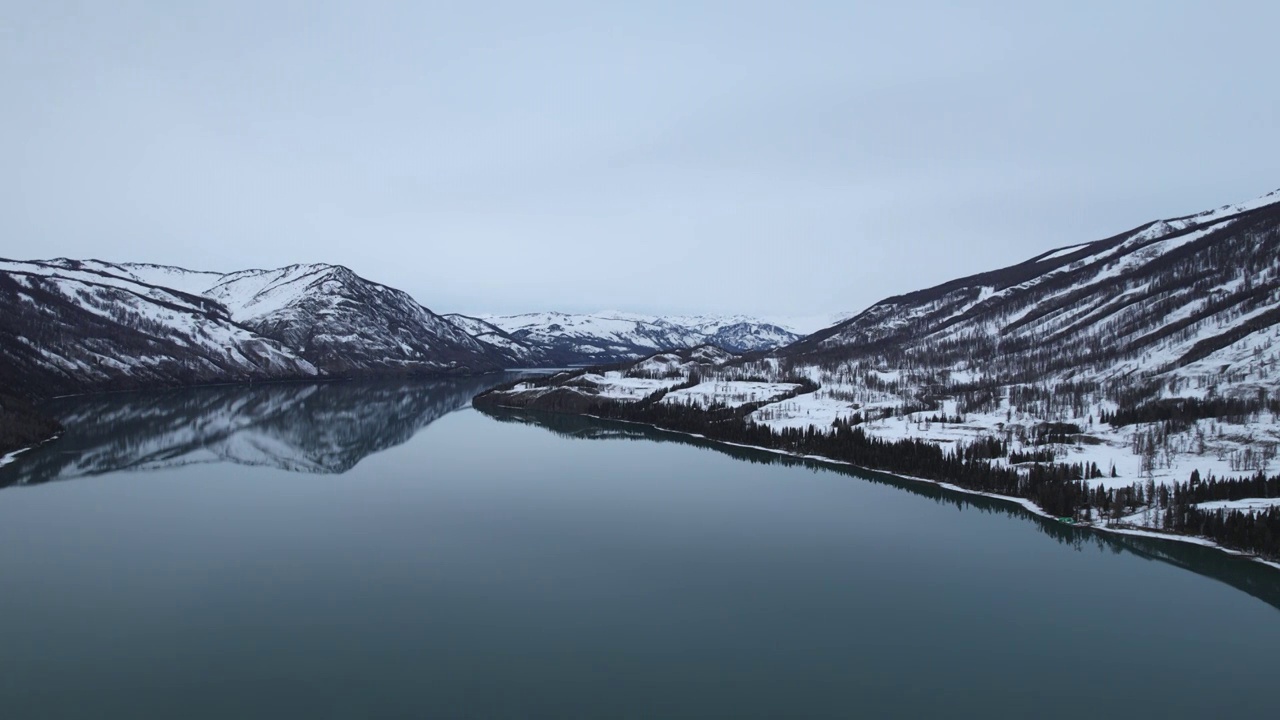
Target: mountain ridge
73,326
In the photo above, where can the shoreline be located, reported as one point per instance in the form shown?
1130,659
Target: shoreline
12,455
1024,503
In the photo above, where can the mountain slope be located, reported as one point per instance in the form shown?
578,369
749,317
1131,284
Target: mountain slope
515,352
1153,353
1190,296
74,326
66,328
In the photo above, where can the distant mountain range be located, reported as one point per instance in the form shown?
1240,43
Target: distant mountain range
70,326
554,338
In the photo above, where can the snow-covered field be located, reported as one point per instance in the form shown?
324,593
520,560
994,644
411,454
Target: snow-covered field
728,393
615,385
1249,505
1212,447
818,409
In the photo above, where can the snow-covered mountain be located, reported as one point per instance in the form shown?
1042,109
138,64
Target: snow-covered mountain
1156,350
1190,297
342,322
514,351
608,336
73,326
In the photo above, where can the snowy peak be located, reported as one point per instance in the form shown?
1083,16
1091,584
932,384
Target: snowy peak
254,294
347,322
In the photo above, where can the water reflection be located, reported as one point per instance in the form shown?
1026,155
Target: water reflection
330,427
300,427
1251,577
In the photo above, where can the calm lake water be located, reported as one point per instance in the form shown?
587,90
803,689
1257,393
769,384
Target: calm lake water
382,550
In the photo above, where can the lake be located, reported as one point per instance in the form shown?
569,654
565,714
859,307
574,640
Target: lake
380,549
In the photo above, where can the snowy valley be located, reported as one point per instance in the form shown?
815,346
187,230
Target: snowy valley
1128,381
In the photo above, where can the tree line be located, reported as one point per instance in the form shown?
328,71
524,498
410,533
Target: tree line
1060,489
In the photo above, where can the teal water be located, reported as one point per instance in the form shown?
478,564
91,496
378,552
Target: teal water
383,550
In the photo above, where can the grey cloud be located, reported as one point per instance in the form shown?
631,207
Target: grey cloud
757,157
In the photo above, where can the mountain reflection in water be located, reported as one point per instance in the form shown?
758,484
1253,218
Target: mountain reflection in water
300,427
330,427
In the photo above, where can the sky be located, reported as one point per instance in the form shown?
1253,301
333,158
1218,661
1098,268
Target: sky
769,158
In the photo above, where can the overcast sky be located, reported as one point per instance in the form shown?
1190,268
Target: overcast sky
759,157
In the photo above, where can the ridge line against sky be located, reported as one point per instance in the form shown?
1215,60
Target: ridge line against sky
763,159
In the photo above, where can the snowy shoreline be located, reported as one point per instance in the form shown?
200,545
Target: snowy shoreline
1024,503
10,457
13,454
